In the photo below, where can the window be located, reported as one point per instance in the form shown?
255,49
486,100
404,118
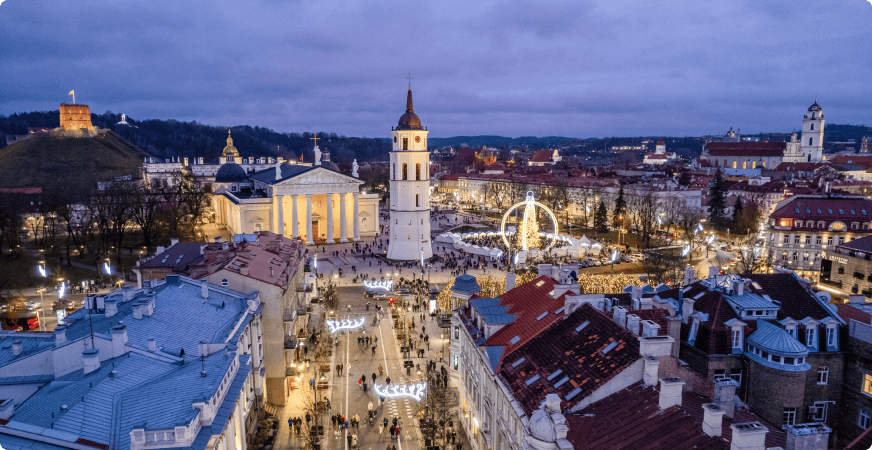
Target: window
734,164
805,256
796,256
829,211
841,212
720,374
406,144
736,375
823,374
786,239
798,224
745,164
831,337
796,239
807,211
224,282
818,412
819,210
418,171
829,240
789,416
812,128
776,359
737,338
417,202
807,240
405,170
852,212
863,211
818,240
809,141
865,418
867,384
821,225
395,170
810,336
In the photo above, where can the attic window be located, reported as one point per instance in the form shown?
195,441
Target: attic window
554,375
559,310
863,211
853,213
573,394
561,382
697,296
551,293
797,210
829,211
609,348
807,211
532,380
518,362
581,327
542,316
540,283
819,210
514,340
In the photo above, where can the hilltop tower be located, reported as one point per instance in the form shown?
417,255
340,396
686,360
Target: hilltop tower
812,142
410,189
75,117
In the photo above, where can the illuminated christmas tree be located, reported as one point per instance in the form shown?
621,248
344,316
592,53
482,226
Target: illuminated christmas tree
527,236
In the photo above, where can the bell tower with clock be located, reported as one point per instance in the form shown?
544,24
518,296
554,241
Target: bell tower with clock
409,237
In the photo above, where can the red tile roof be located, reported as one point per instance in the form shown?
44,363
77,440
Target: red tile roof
176,257
848,312
542,156
863,441
765,149
271,259
863,161
559,351
632,419
808,206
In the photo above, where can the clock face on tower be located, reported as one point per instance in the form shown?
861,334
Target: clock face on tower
417,138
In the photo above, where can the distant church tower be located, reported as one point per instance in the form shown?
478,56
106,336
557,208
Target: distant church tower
410,189
812,142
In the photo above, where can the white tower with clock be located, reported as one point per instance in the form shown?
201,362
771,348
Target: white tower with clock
812,143
410,189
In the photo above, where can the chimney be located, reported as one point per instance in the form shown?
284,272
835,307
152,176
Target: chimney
807,436
17,347
510,281
160,249
738,287
673,330
687,308
174,241
152,345
649,328
633,323
545,269
91,360
148,305
636,293
60,335
856,299
670,392
204,289
243,269
652,368
712,419
724,396
137,311
127,293
203,348
119,340
713,271
689,276
620,316
748,436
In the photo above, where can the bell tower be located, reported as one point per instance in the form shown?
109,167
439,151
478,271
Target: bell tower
410,189
812,142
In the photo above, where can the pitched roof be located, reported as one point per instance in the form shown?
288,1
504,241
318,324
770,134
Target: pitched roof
542,156
763,149
824,207
796,301
572,357
863,244
863,441
271,259
268,176
177,256
848,312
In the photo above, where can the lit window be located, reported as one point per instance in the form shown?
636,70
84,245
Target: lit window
540,283
823,374
867,384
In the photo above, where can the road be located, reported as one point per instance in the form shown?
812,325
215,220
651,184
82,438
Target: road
347,395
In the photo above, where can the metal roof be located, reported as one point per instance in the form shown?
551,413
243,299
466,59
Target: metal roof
466,284
775,339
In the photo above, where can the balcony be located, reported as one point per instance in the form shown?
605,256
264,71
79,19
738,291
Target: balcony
289,315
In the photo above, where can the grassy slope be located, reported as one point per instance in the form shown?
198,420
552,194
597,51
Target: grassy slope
73,163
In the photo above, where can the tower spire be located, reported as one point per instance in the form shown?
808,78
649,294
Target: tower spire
409,101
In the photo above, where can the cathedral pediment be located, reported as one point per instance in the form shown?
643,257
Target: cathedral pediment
319,176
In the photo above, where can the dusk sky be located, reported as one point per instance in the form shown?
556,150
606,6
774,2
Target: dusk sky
515,68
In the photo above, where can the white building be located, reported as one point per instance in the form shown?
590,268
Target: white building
660,155
176,365
410,189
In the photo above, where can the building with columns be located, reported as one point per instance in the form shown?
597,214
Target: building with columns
410,189
315,203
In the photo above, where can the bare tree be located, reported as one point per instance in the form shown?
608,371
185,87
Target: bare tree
688,220
436,410
662,267
145,205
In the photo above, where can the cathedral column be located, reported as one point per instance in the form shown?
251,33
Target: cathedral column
309,219
281,227
294,215
330,218
356,217
342,225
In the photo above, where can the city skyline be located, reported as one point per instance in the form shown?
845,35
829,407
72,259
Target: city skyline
575,69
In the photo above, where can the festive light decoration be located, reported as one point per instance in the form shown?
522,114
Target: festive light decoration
107,269
685,251
62,290
527,235
347,324
414,391
42,271
379,284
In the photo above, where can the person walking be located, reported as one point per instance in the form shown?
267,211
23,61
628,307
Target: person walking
354,439
381,428
348,436
290,424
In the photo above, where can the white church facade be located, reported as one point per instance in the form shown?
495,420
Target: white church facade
410,189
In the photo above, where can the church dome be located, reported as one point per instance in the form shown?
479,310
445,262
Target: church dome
409,120
231,173
230,150
542,427
814,107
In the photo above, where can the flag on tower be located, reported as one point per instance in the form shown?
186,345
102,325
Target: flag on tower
73,93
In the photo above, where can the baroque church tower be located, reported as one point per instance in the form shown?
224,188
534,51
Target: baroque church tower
812,142
410,189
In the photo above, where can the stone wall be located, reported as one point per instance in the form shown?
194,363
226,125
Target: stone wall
858,363
771,390
74,117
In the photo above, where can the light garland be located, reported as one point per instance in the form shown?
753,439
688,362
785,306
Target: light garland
413,391
347,324
379,284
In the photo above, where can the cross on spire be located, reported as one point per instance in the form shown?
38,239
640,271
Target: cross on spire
410,80
315,138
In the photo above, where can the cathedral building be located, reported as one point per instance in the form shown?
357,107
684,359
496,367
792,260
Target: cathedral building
410,189
763,155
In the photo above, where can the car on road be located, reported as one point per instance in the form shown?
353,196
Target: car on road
32,305
383,296
369,293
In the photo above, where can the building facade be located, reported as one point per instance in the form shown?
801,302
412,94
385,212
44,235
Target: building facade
847,267
410,189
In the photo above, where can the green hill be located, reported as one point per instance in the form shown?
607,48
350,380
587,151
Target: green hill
68,162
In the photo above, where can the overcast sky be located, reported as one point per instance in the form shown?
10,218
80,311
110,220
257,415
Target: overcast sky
516,68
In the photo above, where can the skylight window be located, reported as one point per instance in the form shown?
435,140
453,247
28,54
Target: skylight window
819,210
533,380
829,211
807,211
561,382
797,210
581,327
551,293
609,348
518,362
560,310
554,375
852,212
573,394
514,340
542,316
841,211
863,211
540,283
